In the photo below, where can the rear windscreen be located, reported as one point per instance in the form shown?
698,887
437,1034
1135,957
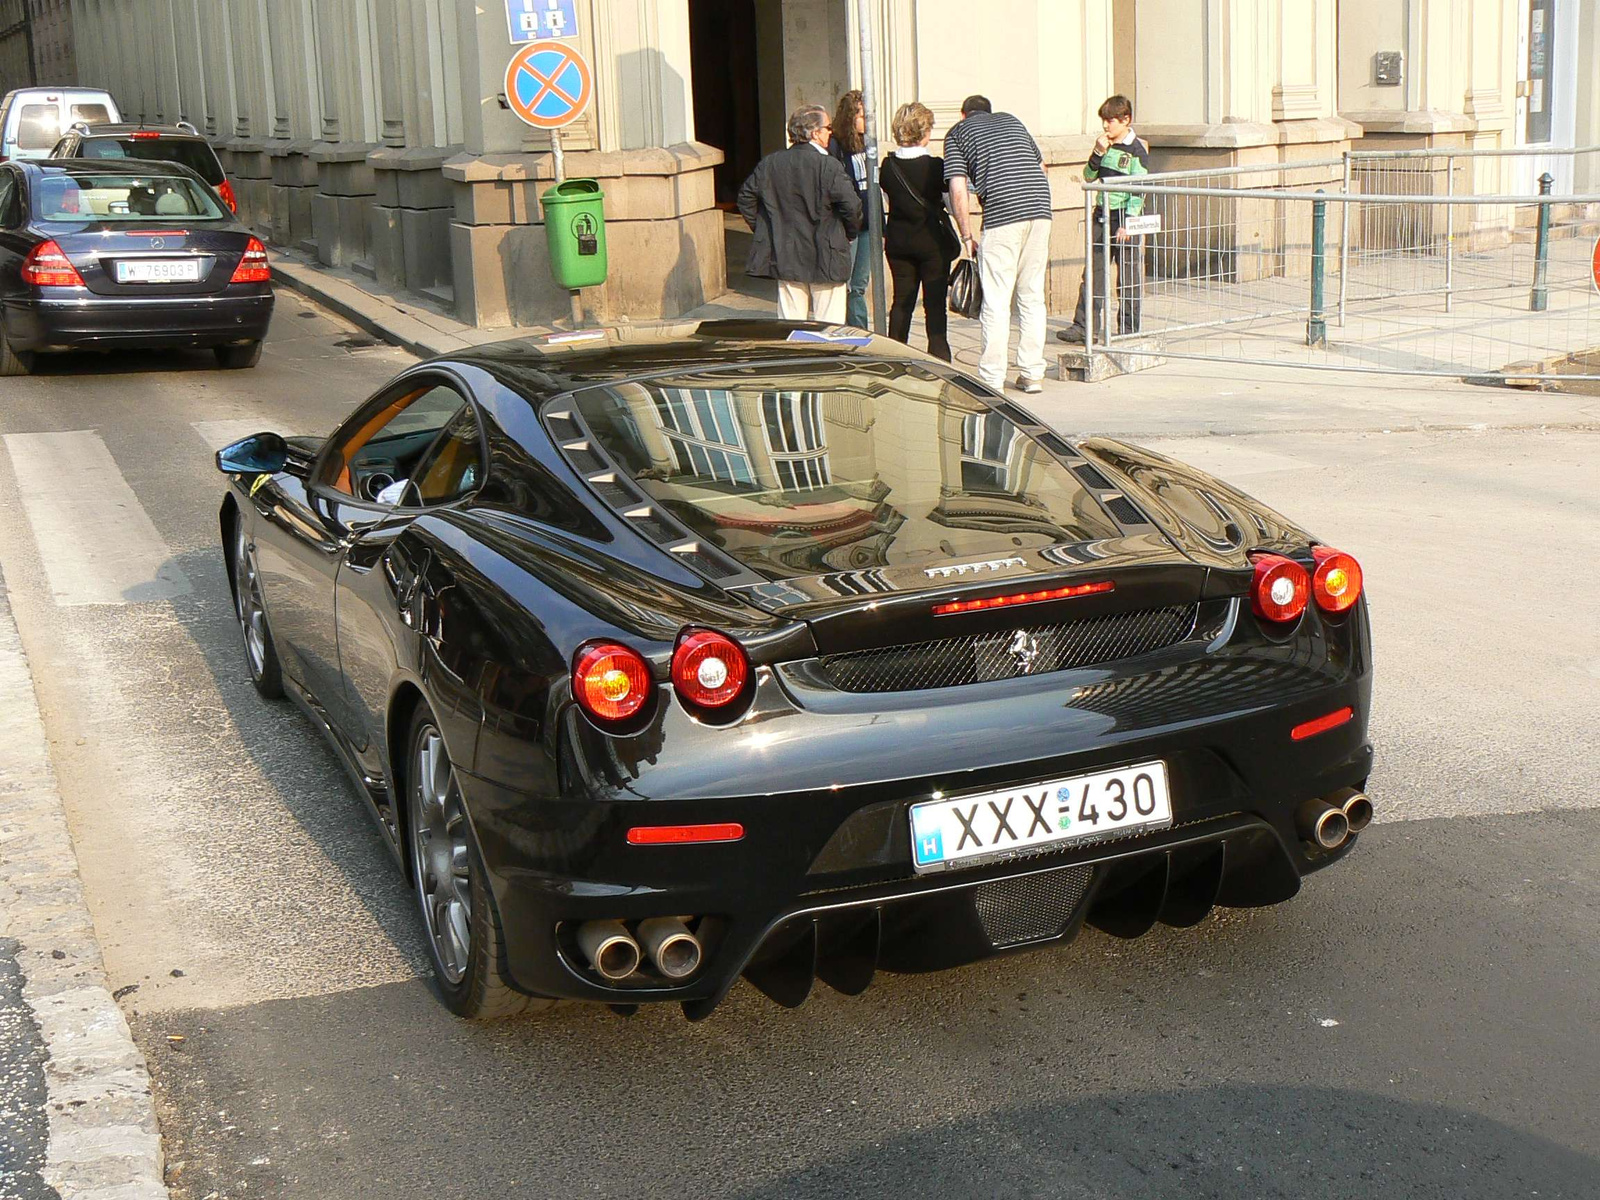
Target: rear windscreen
92,114
839,466
187,152
83,196
38,127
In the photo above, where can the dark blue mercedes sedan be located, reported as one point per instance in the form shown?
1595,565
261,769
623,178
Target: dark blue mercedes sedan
98,255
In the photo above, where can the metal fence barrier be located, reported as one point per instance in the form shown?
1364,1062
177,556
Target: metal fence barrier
1430,262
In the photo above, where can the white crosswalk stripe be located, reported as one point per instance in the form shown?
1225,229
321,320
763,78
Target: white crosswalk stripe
96,542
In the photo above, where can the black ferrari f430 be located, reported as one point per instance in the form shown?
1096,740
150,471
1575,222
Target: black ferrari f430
665,656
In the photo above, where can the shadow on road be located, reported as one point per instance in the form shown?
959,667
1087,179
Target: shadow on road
1297,1142
123,362
291,755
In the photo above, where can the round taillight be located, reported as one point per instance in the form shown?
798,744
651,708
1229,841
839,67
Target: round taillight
1337,581
709,669
1280,589
609,681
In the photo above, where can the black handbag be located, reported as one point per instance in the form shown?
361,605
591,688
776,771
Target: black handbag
966,289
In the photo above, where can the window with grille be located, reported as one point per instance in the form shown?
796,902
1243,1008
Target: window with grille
986,443
796,439
704,434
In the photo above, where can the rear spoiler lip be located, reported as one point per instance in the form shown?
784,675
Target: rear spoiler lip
807,596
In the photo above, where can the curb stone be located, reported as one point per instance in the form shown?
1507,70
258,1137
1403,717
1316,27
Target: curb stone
103,1140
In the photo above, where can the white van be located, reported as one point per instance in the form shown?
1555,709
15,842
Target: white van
32,120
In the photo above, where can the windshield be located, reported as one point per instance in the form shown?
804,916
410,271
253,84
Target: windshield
840,466
82,196
187,152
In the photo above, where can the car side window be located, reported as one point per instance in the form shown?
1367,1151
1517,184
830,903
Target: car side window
378,451
453,467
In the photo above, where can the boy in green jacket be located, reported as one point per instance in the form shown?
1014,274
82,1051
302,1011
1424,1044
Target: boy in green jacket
1118,154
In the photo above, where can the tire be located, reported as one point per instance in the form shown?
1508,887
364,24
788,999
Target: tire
14,362
237,358
460,922
260,652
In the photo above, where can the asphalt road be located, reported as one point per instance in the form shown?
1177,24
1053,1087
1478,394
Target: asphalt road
1420,1021
22,1089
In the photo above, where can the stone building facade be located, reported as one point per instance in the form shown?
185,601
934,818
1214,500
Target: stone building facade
36,44
374,133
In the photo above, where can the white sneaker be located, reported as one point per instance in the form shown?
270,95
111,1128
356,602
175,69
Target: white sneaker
1028,387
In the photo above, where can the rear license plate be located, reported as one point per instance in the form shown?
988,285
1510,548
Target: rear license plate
1080,808
180,270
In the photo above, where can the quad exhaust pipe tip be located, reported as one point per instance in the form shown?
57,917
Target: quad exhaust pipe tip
1356,806
610,949
673,950
1322,823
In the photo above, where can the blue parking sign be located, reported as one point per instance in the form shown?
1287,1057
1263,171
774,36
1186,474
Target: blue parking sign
535,20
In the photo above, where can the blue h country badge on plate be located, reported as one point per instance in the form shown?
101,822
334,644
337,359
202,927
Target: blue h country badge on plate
929,847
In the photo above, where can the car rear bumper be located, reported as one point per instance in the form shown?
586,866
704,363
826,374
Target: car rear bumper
822,884
241,314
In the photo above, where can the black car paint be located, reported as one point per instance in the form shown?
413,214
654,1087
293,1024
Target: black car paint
105,314
477,608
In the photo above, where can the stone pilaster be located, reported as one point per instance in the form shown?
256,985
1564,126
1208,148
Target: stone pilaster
661,221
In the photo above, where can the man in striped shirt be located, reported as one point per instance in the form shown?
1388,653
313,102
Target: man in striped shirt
993,155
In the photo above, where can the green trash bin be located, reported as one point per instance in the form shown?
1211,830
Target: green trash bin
575,228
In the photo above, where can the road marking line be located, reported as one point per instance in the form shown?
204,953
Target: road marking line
218,434
96,542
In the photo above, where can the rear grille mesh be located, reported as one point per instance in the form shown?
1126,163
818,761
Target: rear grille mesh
979,658
1032,906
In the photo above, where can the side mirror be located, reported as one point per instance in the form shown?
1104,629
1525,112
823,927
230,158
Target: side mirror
258,454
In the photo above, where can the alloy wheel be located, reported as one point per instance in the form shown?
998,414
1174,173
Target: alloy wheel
248,604
440,856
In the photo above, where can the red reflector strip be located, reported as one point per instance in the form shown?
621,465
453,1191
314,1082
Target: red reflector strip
678,835
1322,724
1060,593
157,233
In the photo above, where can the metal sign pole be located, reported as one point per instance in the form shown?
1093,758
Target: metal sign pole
561,177
869,107
548,84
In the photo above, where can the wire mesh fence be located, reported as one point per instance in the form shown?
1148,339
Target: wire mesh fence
1462,263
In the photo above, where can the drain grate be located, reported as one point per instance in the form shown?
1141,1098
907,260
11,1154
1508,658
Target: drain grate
1031,907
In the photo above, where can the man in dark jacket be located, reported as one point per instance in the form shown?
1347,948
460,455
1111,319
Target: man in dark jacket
804,210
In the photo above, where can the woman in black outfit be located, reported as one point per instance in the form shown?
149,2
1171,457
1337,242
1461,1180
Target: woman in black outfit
917,238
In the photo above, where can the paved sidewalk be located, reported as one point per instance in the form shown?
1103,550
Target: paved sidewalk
76,1118
403,320
1178,399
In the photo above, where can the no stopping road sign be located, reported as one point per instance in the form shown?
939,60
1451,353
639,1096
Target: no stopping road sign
548,84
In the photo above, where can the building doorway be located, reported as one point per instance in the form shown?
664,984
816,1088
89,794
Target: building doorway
1547,91
724,61
752,61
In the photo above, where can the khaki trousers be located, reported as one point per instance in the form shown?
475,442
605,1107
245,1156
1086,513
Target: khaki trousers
812,301
1011,263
